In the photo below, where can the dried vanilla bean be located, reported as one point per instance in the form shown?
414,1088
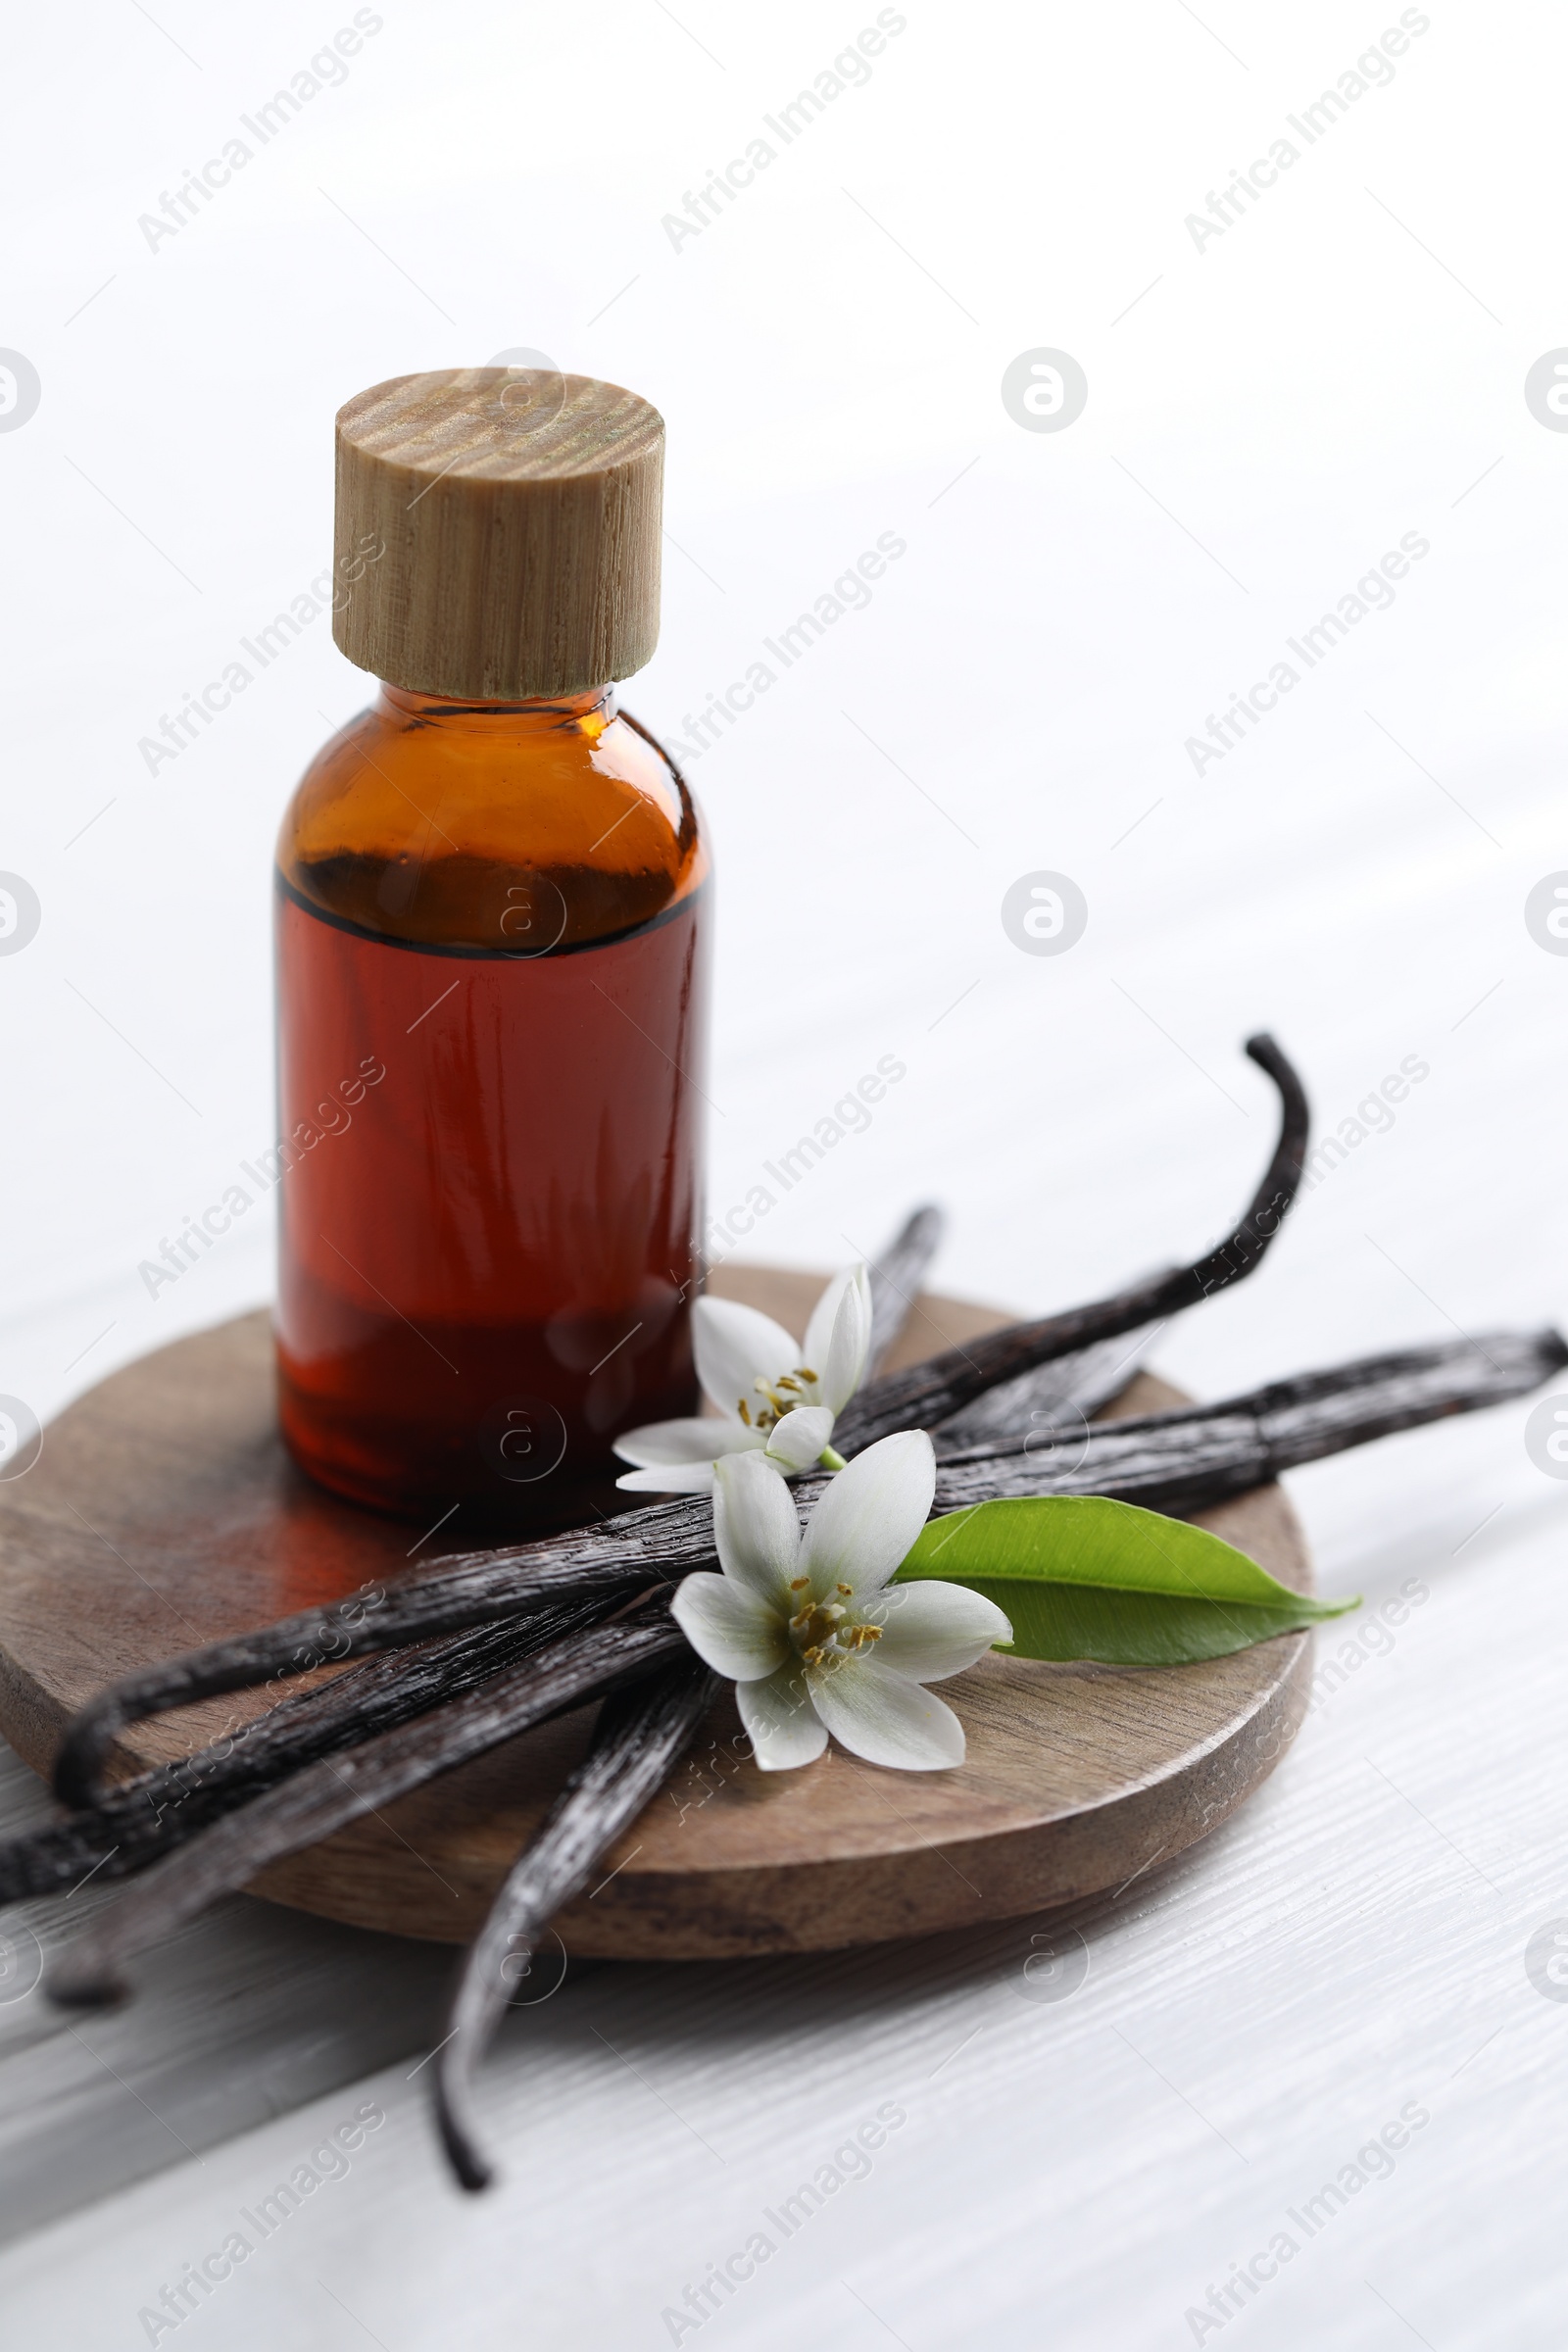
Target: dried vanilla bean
479,1588
927,1394
1050,1396
640,1734
1185,1461
667,1537
139,1818
896,1276
326,1796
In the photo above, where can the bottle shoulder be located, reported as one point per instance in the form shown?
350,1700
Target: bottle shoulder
437,826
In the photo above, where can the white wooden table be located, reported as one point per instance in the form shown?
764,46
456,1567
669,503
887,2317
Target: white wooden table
1267,413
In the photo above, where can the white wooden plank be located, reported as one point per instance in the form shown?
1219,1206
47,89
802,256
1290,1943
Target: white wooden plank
253,2011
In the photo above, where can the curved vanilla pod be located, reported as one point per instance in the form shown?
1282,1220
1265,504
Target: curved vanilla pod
138,1820
640,1734
90,1973
927,1394
897,1275
1185,1461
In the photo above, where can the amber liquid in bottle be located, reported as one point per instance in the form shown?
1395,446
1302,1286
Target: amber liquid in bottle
491,995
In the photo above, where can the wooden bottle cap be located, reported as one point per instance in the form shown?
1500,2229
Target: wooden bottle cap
519,516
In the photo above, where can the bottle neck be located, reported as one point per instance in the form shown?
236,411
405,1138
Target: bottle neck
588,714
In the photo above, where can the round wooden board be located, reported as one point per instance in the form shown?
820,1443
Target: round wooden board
162,1513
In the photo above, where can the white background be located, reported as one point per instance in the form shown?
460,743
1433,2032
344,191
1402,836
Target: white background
1266,417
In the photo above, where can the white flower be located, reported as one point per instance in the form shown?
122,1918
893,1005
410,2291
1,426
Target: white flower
808,1627
773,1394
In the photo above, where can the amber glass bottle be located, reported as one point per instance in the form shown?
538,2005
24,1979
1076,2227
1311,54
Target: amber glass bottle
491,971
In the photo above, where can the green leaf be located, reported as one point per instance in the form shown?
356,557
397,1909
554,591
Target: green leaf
1083,1577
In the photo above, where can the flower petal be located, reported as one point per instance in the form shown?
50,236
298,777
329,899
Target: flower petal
796,1441
756,1531
735,1348
784,1727
930,1631
730,1629
819,1328
693,1440
884,1717
669,1478
870,1515
838,1337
